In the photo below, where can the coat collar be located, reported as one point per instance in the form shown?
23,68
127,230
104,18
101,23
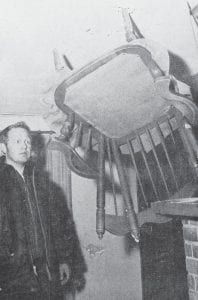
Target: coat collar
10,170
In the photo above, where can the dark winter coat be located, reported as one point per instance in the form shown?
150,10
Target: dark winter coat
60,243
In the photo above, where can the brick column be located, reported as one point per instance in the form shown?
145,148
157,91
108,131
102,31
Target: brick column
190,233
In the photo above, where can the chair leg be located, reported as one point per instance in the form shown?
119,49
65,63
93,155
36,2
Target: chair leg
126,194
100,211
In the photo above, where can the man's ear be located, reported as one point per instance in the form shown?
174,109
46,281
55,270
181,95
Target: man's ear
2,149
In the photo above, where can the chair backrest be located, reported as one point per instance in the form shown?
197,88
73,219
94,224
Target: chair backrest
163,156
164,159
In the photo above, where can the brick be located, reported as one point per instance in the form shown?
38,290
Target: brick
188,250
185,221
193,295
195,251
191,282
190,234
192,265
195,223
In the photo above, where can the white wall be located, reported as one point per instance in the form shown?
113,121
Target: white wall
113,272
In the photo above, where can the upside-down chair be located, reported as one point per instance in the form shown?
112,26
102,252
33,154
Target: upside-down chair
125,109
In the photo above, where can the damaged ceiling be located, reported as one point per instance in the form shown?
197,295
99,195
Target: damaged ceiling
35,35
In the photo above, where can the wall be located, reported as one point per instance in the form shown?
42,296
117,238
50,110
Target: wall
114,271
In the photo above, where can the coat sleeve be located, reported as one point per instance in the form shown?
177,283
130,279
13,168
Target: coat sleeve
5,230
62,225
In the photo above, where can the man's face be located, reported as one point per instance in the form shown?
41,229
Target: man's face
18,146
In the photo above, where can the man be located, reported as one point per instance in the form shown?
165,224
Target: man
36,229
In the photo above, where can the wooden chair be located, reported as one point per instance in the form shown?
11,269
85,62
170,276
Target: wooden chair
124,108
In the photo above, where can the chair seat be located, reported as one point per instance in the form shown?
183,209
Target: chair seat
111,98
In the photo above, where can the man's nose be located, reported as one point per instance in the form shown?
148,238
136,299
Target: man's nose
25,145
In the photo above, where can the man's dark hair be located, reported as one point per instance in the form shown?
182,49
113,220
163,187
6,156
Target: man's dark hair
4,132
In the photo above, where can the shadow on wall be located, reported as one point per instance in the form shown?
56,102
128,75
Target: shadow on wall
181,71
77,280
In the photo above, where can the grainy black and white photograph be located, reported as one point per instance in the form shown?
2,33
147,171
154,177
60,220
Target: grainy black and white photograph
99,150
